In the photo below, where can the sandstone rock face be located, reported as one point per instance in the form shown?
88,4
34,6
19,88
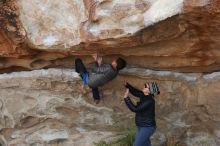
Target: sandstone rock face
46,107
52,23
43,107
173,42
164,35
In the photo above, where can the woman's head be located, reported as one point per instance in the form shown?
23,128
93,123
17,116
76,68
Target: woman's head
151,88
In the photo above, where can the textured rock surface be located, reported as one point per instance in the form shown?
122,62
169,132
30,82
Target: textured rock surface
42,107
53,23
182,35
46,107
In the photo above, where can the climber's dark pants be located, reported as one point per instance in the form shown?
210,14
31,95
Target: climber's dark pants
81,69
95,93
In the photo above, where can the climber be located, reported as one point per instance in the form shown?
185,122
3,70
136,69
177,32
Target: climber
145,111
100,74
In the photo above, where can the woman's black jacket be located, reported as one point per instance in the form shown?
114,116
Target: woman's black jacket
145,108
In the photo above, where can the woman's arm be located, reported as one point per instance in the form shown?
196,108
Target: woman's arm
133,90
135,108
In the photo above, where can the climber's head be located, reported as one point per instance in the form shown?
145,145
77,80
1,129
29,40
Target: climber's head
119,64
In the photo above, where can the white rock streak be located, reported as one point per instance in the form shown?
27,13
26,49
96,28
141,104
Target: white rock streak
70,73
50,40
41,73
147,72
162,9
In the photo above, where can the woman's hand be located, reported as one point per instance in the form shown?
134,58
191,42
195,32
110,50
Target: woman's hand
126,93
